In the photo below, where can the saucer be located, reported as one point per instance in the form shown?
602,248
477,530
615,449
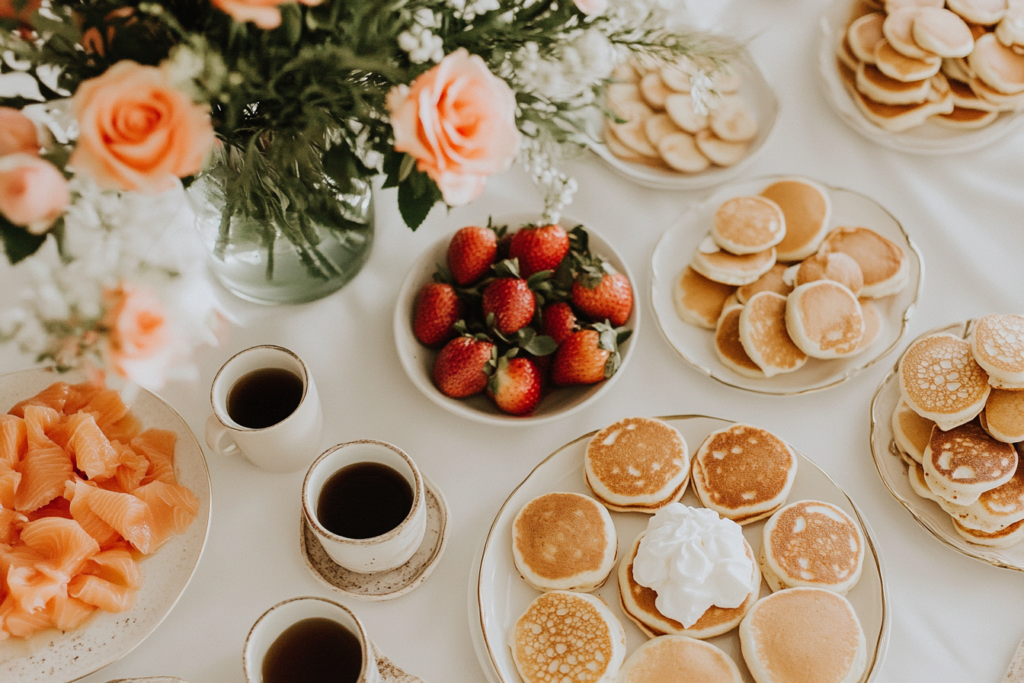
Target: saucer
392,583
389,671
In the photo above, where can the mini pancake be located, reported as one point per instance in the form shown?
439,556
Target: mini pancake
863,34
940,380
965,119
620,150
897,118
680,109
807,208
1004,538
894,5
728,346
719,151
998,66
957,69
576,631
679,659
964,97
845,54
814,544
920,486
1010,30
997,342
764,336
942,32
962,463
1003,417
896,65
995,509
658,127
699,301
679,151
898,31
910,431
769,282
748,225
744,473
677,76
638,603
620,96
984,12
716,264
835,266
654,91
882,262
564,541
879,87
638,464
803,634
824,319
1002,101
631,133
732,120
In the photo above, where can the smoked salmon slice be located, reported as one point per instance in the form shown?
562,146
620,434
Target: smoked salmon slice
130,516
43,473
79,396
54,396
67,613
13,439
9,480
158,447
90,447
78,493
61,542
107,407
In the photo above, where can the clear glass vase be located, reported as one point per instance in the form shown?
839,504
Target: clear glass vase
303,253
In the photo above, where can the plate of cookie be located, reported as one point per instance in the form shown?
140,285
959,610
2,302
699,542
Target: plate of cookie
667,141
947,435
924,79
583,537
785,285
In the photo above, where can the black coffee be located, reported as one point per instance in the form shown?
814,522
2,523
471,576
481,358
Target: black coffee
264,397
314,651
364,500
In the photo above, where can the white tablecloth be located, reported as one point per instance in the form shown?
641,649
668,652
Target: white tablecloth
952,618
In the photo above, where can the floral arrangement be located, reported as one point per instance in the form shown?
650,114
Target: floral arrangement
101,100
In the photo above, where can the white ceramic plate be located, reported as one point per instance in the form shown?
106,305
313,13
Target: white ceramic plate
928,138
757,91
696,344
498,595
106,637
418,359
893,472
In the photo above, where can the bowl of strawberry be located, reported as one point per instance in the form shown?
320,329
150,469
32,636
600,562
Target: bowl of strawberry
517,322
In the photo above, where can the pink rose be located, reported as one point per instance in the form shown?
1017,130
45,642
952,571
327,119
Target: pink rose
136,131
591,7
139,342
33,193
459,122
263,13
18,135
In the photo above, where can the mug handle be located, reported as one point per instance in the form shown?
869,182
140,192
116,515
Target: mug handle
216,435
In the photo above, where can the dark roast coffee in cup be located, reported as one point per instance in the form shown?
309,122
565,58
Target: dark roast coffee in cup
263,397
364,500
314,650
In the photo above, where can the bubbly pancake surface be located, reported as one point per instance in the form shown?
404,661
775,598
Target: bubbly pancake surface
940,379
637,460
679,659
815,543
807,209
968,455
997,343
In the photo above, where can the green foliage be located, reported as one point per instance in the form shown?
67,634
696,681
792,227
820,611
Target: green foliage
19,243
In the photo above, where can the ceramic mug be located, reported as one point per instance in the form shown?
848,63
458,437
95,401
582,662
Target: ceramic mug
285,446
285,614
378,553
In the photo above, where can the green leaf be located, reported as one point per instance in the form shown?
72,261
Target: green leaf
19,243
416,197
408,164
541,345
291,23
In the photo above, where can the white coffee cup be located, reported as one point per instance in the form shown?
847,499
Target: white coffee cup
282,447
379,553
278,618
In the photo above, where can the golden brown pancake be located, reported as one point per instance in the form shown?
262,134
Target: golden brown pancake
863,34
728,346
1003,417
658,127
962,463
872,324
564,541
845,54
835,266
943,33
748,225
699,301
897,118
995,509
654,91
1004,538
898,30
910,431
719,151
638,464
998,66
744,473
769,282
965,98
764,336
679,659
807,208
882,262
824,319
719,265
880,88
902,68
940,380
966,119
983,12
997,342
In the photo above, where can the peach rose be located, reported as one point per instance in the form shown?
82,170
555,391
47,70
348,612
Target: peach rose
459,122
591,7
18,135
33,193
139,336
263,13
136,131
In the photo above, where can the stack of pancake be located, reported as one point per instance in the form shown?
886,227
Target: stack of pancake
778,287
959,426
957,63
662,125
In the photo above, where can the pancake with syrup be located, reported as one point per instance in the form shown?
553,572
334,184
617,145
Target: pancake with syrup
807,208
910,431
940,380
638,464
997,342
1003,417
698,300
728,346
962,463
679,659
814,544
575,634
638,603
764,336
564,541
744,473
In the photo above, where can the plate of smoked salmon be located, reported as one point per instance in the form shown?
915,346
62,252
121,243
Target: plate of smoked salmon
104,513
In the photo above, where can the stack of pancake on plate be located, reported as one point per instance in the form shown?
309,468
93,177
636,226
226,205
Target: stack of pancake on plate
778,287
660,124
959,426
957,63
811,553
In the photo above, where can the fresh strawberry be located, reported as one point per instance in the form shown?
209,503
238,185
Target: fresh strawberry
588,356
515,385
510,299
559,322
539,249
610,298
437,310
471,253
460,368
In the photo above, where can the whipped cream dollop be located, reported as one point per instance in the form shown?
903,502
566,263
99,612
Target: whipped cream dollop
693,559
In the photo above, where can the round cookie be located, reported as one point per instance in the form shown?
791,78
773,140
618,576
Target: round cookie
824,319
940,380
764,336
807,208
698,300
997,343
716,264
748,225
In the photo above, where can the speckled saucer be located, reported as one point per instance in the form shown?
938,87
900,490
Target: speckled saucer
389,671
390,584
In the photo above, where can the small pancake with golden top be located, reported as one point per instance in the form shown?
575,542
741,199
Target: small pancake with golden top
807,208
997,342
769,282
728,346
764,336
863,34
716,264
824,319
910,431
1003,417
679,659
940,380
964,462
882,262
698,300
748,225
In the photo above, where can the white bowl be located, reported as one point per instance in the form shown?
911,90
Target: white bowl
759,95
418,360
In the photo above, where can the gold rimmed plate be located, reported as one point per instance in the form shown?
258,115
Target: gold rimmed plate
893,472
498,595
695,345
